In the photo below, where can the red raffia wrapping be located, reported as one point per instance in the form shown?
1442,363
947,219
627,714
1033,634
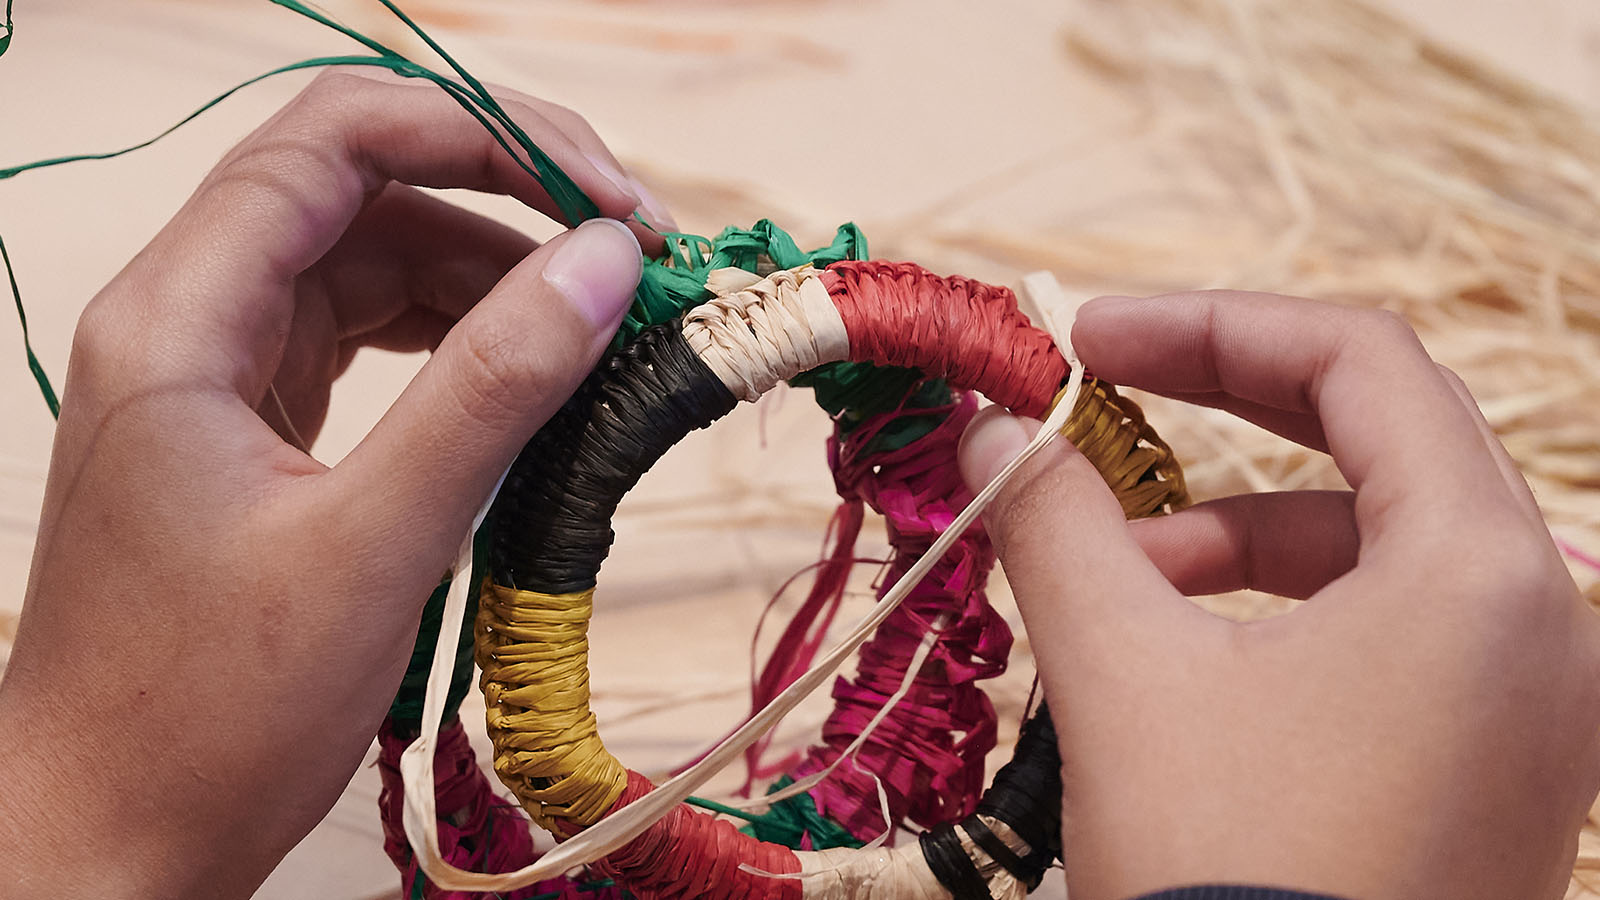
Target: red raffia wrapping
971,333
901,314
801,639
689,854
478,831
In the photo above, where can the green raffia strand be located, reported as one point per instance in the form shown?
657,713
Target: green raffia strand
788,822
406,710
574,204
676,282
39,376
850,392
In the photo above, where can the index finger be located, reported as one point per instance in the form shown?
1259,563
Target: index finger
281,199
1394,426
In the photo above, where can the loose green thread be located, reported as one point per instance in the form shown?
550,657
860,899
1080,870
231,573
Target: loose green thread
5,39
792,822
34,366
573,203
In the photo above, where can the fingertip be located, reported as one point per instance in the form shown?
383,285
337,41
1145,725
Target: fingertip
653,210
1091,316
624,197
596,267
992,439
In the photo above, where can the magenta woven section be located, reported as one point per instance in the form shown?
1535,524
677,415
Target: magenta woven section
478,830
929,752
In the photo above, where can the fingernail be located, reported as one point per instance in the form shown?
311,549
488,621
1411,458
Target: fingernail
596,267
993,439
609,171
653,209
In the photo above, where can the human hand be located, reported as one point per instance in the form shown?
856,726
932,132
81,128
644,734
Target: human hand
1426,726
215,622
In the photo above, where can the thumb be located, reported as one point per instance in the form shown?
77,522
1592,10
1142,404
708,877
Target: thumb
1074,566
500,373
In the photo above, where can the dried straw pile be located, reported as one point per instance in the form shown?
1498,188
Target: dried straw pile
1321,148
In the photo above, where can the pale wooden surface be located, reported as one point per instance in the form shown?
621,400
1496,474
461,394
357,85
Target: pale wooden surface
918,120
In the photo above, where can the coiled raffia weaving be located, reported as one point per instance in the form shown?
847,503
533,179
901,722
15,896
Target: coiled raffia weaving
897,355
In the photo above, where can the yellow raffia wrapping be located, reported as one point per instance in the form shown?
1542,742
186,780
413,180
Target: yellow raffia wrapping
1138,466
534,651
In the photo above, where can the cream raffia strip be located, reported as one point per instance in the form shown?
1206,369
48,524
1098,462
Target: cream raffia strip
913,668
616,830
759,331
902,873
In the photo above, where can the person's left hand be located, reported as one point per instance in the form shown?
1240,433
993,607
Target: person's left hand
215,622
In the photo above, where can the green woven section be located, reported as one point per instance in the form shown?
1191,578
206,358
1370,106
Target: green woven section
788,821
406,710
677,281
850,392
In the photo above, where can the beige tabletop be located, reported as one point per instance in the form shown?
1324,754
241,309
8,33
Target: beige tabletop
961,135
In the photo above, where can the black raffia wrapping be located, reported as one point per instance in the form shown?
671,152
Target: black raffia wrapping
1026,796
551,523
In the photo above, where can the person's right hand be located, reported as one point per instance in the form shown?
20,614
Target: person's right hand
1428,725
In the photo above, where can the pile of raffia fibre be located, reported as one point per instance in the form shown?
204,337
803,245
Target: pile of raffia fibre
1320,148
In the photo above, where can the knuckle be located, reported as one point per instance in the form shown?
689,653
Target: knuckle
334,85
1388,328
1369,337
1516,565
568,119
116,346
321,109
1458,386
100,331
499,379
563,117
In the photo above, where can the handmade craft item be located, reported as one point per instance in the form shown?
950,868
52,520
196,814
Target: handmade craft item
896,353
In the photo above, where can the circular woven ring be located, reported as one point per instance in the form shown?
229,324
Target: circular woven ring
551,532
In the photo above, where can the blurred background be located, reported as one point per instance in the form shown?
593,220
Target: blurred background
1440,158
